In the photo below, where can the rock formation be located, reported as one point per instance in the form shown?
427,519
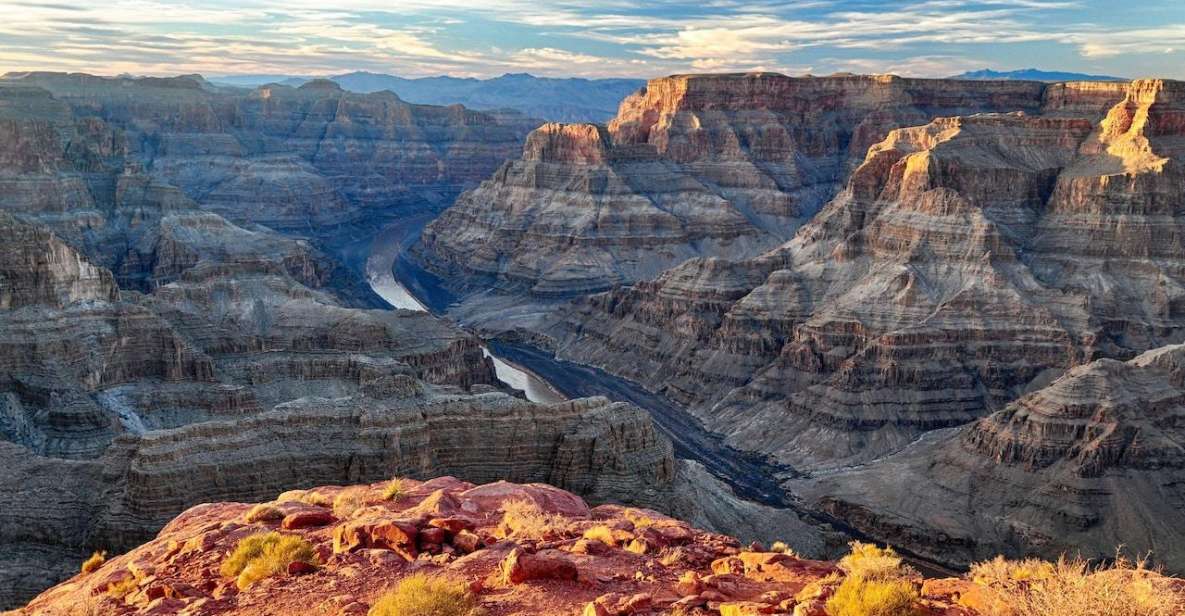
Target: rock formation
138,324
290,158
717,165
509,548
1093,460
968,262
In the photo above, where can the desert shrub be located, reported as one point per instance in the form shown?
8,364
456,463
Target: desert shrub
781,546
876,584
307,497
395,490
94,562
870,562
265,554
119,588
858,596
1074,587
426,595
264,513
316,498
524,519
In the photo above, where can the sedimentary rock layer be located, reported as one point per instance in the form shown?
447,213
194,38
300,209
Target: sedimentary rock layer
965,261
609,452
290,158
1094,460
714,165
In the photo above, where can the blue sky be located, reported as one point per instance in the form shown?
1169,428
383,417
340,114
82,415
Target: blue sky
635,38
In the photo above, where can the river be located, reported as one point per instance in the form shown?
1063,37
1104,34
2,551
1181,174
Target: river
545,378
385,248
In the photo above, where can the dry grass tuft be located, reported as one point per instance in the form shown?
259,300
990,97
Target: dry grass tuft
426,595
266,554
121,588
395,490
870,562
524,519
94,562
264,513
877,584
307,497
780,546
1074,587
858,596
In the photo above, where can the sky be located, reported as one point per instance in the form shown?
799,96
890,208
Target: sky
613,38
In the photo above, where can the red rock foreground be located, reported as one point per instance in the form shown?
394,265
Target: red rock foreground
518,549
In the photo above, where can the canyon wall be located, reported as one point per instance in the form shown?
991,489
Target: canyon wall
967,262
294,159
161,347
693,165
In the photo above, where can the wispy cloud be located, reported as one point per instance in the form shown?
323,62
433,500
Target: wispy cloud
567,37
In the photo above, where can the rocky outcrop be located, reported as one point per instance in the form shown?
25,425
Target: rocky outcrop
1091,461
609,452
714,165
506,548
967,261
38,269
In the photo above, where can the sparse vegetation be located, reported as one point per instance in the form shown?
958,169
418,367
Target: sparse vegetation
523,518
858,596
426,595
264,513
348,501
120,588
870,562
265,554
95,561
395,490
1074,587
307,497
780,546
877,584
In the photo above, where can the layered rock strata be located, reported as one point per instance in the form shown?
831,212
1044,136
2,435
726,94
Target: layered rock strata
966,261
1093,460
607,451
712,165
290,158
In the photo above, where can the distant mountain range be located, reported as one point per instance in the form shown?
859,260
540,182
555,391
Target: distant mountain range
1032,74
560,100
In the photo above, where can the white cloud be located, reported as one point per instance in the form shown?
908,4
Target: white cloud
610,37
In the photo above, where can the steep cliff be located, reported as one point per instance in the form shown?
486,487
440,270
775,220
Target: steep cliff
965,259
716,165
129,307
1093,460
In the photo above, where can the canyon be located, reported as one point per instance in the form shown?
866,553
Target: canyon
956,246
160,347
942,314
